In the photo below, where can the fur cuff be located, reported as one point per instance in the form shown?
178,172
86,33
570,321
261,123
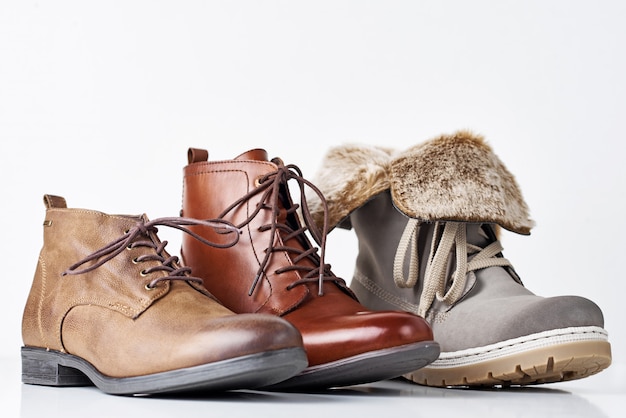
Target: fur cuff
450,178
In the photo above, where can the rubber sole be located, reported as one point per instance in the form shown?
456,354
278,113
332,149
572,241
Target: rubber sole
553,356
364,368
53,368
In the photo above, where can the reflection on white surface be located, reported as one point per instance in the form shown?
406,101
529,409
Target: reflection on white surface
372,400
596,396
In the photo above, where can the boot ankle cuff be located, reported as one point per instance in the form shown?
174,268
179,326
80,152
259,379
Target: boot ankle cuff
458,178
449,178
348,177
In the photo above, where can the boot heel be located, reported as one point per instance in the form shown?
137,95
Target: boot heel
43,367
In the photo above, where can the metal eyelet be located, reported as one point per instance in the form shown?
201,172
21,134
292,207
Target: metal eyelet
257,181
148,287
143,273
129,246
135,261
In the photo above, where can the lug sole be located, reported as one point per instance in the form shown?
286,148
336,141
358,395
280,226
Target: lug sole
54,368
364,368
556,363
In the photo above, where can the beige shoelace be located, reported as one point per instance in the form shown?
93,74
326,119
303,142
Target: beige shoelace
453,235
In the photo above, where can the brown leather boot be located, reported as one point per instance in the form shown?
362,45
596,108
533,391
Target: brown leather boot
108,306
275,269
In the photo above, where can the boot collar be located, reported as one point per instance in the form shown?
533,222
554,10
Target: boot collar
449,178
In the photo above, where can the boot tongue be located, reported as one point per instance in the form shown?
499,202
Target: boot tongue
298,241
480,236
476,235
257,154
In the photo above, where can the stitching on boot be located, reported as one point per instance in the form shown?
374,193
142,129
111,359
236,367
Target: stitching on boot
382,294
394,300
521,345
42,294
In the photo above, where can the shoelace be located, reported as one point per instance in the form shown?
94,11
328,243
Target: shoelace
269,186
131,239
453,235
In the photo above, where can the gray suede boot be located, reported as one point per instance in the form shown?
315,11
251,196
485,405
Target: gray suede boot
427,223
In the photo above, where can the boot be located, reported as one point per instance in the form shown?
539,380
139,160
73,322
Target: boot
275,269
427,222
109,307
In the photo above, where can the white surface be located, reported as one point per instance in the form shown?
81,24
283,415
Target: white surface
600,396
99,102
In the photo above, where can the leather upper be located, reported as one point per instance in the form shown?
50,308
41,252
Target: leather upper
494,307
109,317
334,325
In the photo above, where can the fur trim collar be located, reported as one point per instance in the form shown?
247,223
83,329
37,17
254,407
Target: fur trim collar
449,178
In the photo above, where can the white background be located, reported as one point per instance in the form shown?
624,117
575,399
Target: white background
99,102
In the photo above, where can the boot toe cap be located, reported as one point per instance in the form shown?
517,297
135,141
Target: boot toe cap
514,317
243,334
341,336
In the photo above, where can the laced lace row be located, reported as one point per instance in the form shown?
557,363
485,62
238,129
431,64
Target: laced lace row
446,235
269,186
133,239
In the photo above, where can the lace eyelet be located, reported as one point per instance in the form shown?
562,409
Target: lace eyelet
143,273
135,261
257,181
148,287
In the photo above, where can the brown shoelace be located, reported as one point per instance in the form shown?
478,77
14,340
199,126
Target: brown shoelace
272,186
133,238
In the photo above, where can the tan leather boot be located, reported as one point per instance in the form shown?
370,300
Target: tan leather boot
108,306
275,269
427,221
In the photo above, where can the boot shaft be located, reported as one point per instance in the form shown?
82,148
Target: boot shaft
424,206
383,264
271,267
68,236
127,283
